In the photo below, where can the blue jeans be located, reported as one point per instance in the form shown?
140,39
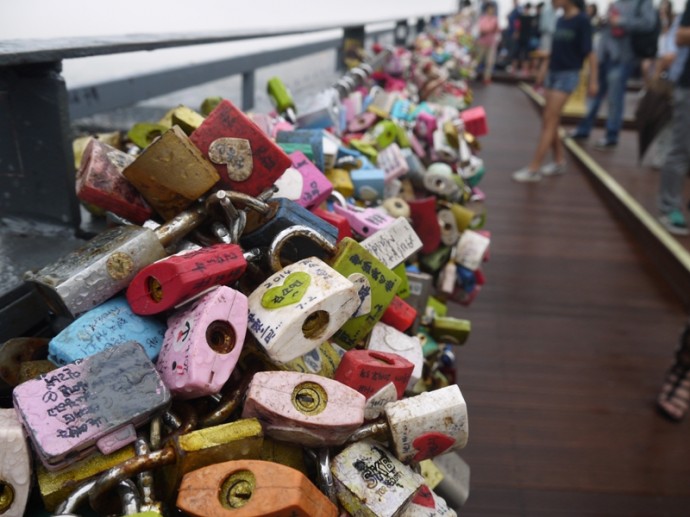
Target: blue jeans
675,168
613,77
564,80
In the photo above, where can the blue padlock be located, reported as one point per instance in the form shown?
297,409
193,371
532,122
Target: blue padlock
422,107
106,325
284,213
369,183
313,137
401,110
466,279
348,152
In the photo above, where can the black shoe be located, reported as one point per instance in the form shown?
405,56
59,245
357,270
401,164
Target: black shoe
576,135
605,145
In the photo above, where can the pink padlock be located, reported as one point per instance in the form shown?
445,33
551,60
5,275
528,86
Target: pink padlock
475,121
362,122
315,186
281,125
364,221
425,126
392,161
203,343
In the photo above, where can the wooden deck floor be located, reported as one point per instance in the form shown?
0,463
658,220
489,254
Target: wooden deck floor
571,337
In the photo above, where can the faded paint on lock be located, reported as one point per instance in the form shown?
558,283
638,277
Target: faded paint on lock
471,249
287,332
15,465
304,408
428,504
370,482
235,154
385,338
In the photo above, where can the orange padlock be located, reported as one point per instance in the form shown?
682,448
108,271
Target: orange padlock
246,488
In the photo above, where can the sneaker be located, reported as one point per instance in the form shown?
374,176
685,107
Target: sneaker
576,135
605,145
675,223
525,175
553,169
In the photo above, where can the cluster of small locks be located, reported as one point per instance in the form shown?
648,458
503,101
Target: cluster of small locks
242,341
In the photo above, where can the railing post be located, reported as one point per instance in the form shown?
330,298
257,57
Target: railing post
36,159
248,90
401,34
352,45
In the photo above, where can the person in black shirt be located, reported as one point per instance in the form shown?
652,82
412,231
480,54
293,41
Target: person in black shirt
525,31
572,44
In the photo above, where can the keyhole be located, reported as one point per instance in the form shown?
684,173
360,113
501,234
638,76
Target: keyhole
6,496
237,489
315,324
220,336
309,398
154,288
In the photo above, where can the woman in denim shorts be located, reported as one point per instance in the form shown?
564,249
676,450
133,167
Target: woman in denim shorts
572,44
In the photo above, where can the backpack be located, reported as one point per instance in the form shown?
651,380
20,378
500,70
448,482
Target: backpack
645,43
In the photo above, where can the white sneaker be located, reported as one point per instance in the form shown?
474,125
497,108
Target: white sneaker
553,169
525,175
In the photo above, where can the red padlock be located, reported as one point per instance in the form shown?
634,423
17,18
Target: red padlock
399,314
336,220
425,223
246,159
475,121
164,284
367,371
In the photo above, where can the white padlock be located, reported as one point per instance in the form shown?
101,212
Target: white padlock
394,244
385,338
15,465
471,249
428,504
300,307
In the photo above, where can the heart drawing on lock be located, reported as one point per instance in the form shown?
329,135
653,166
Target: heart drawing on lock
291,291
432,444
235,154
424,497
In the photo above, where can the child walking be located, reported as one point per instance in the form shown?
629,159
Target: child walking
571,46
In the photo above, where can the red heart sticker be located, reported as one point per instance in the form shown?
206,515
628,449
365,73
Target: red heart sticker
430,445
425,498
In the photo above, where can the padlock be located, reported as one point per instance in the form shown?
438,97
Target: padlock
311,137
203,343
341,181
385,338
30,369
382,102
186,118
171,173
425,223
106,264
95,402
100,181
261,229
143,134
109,324
265,122
362,122
369,184
250,166
376,283
442,186
425,126
399,315
371,482
394,244
392,161
209,104
464,217
55,487
450,330
16,351
130,500
184,453
446,280
471,249
323,360
322,112
392,189
247,488
426,503
404,288
365,147
434,261
443,149
281,98
367,371
336,220
300,307
15,465
304,408
170,281
455,486
401,109
420,290
285,453
315,186
79,144
472,173
385,134
363,221
396,207
474,120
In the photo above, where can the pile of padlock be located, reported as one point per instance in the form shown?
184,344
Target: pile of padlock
250,346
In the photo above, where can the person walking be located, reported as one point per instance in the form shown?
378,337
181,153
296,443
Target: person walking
616,61
487,40
677,162
571,46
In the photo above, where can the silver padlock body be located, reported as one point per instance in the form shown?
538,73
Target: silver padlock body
97,271
428,425
370,482
455,486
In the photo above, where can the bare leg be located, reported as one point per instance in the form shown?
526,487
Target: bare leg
555,100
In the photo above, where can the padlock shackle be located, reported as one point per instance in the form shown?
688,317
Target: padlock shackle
111,478
368,431
130,498
180,225
284,236
74,500
255,203
228,403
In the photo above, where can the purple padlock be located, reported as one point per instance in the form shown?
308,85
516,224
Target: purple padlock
315,186
364,221
203,343
392,161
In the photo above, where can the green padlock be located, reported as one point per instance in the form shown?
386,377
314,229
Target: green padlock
404,288
282,99
385,133
209,105
366,149
143,133
434,261
453,331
